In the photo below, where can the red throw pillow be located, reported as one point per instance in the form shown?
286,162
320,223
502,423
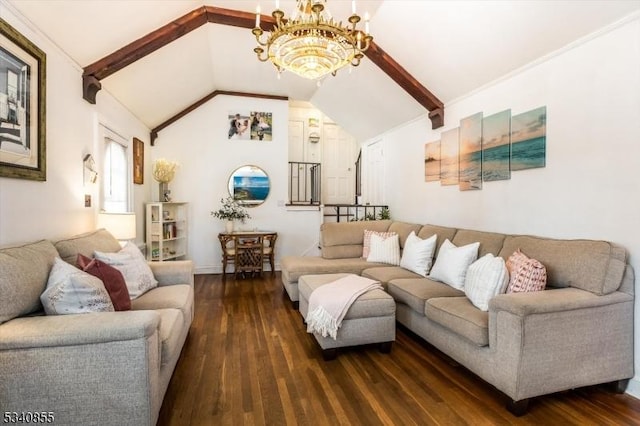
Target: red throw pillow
112,279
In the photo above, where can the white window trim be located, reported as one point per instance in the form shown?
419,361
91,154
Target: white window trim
106,132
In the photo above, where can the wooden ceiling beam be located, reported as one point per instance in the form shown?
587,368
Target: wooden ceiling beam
154,132
405,80
153,41
138,49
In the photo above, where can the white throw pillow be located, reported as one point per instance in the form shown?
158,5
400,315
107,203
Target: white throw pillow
384,250
452,263
486,278
72,291
134,268
417,255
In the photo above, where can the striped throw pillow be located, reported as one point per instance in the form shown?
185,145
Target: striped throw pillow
366,245
384,250
526,274
486,278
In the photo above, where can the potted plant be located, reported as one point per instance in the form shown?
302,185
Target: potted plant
231,211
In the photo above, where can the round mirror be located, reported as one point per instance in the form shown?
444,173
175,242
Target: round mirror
249,186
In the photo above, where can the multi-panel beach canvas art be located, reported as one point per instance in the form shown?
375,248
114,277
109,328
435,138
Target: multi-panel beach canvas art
529,139
470,160
449,157
487,149
432,161
496,146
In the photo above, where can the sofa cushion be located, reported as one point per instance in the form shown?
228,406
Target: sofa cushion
384,274
460,316
23,277
73,291
403,230
595,266
86,244
452,263
295,266
384,249
171,324
137,273
417,255
486,278
443,232
490,242
178,296
111,278
374,303
414,292
344,239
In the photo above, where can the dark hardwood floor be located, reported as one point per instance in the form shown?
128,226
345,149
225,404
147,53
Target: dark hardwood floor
249,360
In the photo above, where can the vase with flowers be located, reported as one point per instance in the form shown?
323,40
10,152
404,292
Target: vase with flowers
231,211
163,172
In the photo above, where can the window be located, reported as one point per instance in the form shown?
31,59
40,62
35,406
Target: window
115,172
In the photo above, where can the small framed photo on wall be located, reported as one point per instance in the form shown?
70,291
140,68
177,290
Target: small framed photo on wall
138,161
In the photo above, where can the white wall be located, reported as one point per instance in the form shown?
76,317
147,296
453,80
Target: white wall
590,187
207,157
31,210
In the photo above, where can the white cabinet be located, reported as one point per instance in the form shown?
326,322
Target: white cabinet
166,231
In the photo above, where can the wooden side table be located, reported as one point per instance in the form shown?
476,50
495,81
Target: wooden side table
247,250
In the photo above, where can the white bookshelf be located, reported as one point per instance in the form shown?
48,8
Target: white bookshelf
166,231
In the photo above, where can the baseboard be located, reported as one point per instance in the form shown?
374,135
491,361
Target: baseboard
633,388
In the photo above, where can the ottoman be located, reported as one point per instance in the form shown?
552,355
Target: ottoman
370,319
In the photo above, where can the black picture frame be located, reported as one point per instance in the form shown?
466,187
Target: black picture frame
22,106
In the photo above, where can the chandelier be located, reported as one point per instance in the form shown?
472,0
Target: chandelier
311,43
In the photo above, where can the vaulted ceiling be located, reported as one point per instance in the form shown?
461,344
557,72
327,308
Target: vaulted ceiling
450,47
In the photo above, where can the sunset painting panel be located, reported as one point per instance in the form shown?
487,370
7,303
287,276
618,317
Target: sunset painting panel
529,139
449,157
496,146
471,153
432,161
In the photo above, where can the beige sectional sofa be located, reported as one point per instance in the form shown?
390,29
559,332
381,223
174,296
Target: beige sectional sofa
103,368
578,332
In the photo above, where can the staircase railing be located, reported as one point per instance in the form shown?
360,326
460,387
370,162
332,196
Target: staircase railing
305,183
354,212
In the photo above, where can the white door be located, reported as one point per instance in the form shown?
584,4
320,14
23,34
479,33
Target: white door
373,174
338,166
296,140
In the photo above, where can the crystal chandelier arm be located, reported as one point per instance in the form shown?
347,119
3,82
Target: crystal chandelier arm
259,51
258,33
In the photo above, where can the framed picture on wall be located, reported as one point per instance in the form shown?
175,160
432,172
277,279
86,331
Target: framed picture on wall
138,161
239,125
261,126
22,106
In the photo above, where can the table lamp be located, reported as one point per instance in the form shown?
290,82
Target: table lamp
121,225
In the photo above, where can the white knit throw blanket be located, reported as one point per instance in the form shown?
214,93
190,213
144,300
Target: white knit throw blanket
328,304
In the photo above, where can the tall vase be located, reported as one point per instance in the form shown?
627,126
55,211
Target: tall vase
164,194
229,226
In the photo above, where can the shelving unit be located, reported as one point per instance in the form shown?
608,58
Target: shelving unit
166,231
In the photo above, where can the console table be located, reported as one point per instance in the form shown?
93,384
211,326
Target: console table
248,250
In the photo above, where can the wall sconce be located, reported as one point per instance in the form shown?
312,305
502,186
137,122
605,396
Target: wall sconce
89,170
314,137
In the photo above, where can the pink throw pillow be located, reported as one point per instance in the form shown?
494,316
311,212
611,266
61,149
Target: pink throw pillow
112,279
525,274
